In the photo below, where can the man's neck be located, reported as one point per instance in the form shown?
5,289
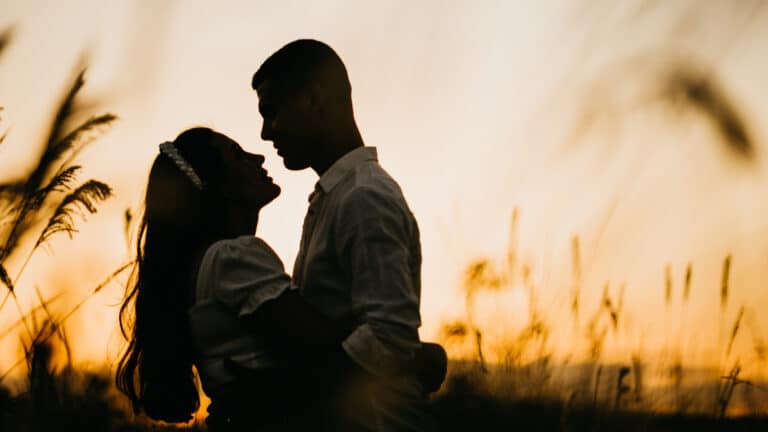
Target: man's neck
341,147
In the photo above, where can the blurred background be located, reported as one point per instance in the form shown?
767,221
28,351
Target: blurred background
588,174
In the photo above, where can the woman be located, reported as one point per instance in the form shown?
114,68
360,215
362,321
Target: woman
199,267
209,295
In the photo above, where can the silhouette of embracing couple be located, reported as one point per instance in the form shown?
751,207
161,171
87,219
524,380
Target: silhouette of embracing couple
332,347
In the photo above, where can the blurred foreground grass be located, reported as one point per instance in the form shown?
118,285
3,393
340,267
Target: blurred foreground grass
471,400
66,398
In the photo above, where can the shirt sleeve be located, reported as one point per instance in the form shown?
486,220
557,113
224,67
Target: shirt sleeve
245,273
375,244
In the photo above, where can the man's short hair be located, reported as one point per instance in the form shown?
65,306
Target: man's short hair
301,63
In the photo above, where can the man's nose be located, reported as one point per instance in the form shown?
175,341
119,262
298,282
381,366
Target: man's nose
266,130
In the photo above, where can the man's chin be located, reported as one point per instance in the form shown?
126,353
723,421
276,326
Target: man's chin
294,165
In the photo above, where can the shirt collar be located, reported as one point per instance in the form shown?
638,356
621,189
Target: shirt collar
343,166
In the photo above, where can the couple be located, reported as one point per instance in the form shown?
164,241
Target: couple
336,346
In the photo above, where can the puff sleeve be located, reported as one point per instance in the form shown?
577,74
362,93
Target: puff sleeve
243,274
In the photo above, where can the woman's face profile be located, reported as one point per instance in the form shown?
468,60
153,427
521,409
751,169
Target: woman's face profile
245,176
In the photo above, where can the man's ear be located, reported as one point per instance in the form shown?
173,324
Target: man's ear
315,98
306,101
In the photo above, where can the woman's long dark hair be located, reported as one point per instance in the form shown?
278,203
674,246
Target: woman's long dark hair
179,223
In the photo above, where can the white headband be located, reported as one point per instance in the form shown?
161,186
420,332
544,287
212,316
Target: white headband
167,148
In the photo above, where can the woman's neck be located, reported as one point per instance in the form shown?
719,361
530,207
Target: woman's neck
241,222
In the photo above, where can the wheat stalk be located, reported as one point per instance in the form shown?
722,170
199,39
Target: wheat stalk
24,198
81,200
687,283
724,282
734,331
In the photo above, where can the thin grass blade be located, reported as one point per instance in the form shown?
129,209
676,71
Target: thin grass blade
81,201
62,182
6,279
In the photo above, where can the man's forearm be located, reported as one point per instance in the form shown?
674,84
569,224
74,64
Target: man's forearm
382,350
295,328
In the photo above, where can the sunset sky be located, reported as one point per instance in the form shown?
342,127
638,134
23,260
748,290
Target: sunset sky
555,108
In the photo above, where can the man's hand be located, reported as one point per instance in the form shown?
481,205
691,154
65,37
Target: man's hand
431,365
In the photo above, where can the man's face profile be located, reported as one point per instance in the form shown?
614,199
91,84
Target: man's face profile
286,123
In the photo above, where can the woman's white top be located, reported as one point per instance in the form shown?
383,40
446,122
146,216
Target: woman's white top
235,278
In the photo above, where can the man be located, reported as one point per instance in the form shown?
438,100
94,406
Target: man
359,259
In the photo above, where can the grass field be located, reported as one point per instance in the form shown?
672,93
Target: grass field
70,399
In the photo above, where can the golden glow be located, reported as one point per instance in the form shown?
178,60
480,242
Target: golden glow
476,109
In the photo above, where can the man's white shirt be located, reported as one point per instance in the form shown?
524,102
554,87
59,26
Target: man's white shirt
360,261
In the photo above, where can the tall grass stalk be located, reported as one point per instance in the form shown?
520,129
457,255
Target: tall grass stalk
49,192
725,281
734,332
46,201
512,248
724,289
668,285
684,305
687,282
576,280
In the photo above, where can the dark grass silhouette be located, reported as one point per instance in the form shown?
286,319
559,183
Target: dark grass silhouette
34,208
526,390
65,398
46,200
71,399
467,404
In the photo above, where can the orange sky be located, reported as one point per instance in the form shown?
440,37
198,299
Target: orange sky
472,107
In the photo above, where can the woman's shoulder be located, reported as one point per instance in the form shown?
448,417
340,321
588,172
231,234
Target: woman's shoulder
243,248
233,270
240,258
